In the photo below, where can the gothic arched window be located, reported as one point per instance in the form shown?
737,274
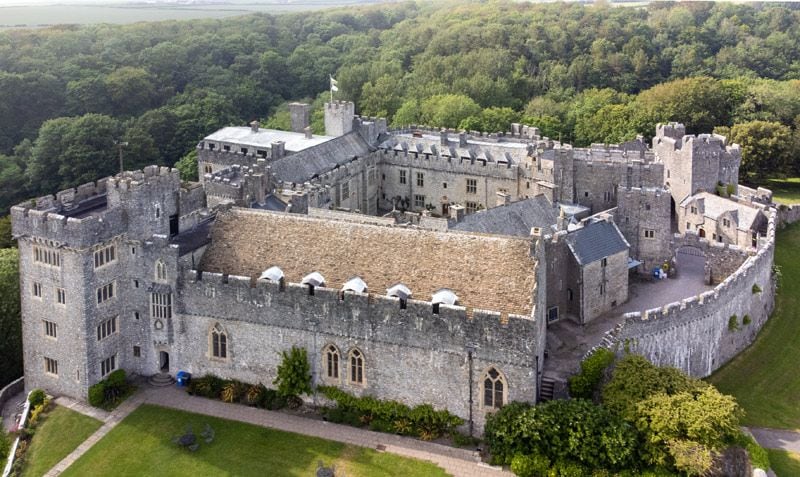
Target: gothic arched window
494,389
356,367
331,362
161,271
219,342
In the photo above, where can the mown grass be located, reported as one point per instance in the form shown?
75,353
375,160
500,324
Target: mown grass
785,191
764,377
784,464
142,445
61,431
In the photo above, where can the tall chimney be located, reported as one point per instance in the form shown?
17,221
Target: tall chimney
299,113
307,131
462,139
444,140
254,126
457,212
278,149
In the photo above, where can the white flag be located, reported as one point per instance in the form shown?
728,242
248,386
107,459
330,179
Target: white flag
333,84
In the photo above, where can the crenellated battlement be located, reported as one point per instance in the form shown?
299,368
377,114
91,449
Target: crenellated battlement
474,164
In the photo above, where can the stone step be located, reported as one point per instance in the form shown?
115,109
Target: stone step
161,380
546,391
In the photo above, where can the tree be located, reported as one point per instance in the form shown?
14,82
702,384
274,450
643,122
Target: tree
73,151
10,318
447,110
491,120
5,233
409,113
188,166
766,149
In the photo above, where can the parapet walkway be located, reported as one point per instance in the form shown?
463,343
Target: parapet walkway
457,462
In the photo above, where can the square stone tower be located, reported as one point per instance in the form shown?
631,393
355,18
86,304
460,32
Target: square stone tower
339,117
299,113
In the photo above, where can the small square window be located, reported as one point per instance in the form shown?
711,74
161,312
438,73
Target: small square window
136,284
444,185
586,194
137,352
604,262
133,250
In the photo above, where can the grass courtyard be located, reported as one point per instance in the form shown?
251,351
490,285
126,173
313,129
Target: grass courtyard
142,445
61,431
784,464
785,191
764,377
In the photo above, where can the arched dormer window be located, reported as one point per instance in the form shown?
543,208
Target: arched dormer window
313,280
495,390
445,296
400,291
330,361
161,271
356,367
219,342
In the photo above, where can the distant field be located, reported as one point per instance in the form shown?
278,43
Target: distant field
785,191
47,15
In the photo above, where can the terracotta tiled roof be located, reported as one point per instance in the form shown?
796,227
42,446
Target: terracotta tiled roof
491,273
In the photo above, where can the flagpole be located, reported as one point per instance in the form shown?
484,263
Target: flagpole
330,80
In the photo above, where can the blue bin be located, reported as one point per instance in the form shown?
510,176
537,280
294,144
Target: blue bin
183,378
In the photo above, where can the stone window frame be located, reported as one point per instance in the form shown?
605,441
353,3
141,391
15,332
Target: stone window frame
419,201
420,179
36,290
44,255
107,328
499,379
331,353
50,329
61,296
105,255
345,189
726,223
217,335
358,370
108,365
106,292
472,186
208,168
161,271
403,178
471,207
137,351
50,366
161,305
649,233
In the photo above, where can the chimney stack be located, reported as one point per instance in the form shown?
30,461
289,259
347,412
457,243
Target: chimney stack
307,130
299,113
503,198
457,212
254,126
462,139
444,140
278,149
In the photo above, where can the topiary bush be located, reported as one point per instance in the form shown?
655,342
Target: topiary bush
733,323
109,392
746,320
756,288
36,398
97,394
585,383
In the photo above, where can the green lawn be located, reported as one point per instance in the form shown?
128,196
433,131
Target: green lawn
61,431
142,445
764,378
785,464
785,191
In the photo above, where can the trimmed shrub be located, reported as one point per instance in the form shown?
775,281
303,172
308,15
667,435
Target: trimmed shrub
422,421
97,394
530,465
756,288
294,373
585,383
36,398
746,320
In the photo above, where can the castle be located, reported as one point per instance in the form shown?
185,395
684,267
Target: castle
412,264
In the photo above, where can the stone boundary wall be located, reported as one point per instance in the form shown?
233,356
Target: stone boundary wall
344,216
13,450
11,389
697,335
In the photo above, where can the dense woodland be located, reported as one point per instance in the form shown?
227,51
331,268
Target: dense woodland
581,73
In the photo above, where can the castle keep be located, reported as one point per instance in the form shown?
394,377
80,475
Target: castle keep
413,264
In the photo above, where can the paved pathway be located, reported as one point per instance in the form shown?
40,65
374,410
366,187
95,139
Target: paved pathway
457,462
777,439
11,411
82,408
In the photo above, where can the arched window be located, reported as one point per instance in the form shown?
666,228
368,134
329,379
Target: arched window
161,271
356,367
219,342
494,389
208,169
331,362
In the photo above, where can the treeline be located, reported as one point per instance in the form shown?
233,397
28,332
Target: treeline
581,73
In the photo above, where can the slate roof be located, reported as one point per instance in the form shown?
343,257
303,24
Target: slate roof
271,202
515,219
715,206
486,272
306,164
595,241
195,237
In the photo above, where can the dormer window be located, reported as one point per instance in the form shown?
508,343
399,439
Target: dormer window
355,284
313,280
443,296
400,291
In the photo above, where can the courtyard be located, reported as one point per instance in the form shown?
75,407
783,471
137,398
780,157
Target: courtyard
568,341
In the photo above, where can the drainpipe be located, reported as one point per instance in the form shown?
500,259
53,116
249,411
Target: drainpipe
471,421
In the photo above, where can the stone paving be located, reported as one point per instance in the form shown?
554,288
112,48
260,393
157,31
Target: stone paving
82,408
11,411
777,439
457,462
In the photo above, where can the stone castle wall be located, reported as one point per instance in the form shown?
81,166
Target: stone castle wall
412,354
693,335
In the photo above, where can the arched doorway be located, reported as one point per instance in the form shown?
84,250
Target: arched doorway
691,264
163,361
701,233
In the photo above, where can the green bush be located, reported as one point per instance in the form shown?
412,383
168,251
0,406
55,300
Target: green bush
294,373
530,465
756,288
36,398
733,323
97,394
463,440
746,320
585,383
563,431
423,421
568,469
